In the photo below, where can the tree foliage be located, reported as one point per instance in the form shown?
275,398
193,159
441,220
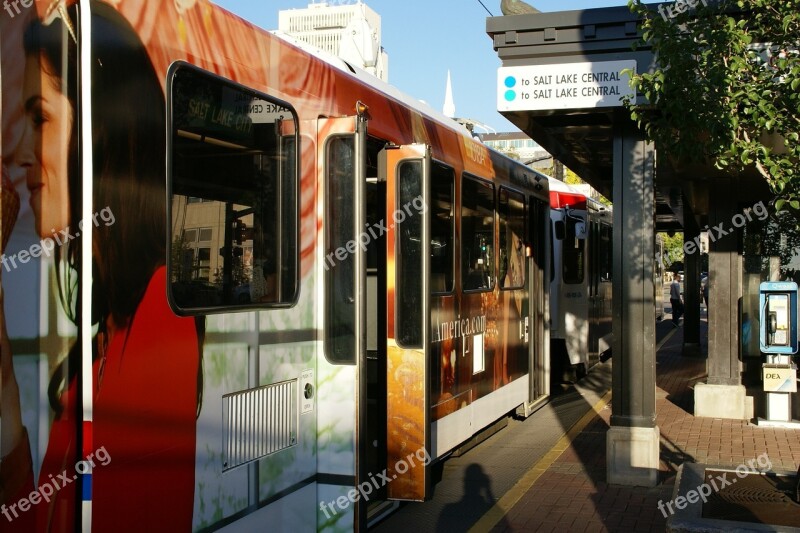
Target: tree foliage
673,249
571,178
725,89
772,238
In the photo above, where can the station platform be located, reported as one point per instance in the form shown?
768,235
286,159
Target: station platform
548,472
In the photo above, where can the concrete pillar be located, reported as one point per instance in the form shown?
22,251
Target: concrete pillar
691,285
632,451
723,395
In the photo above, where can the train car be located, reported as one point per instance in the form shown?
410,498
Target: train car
580,286
245,287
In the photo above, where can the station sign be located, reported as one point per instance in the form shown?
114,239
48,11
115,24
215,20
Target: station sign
563,86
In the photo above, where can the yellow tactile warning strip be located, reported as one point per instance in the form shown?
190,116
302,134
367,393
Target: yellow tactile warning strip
515,493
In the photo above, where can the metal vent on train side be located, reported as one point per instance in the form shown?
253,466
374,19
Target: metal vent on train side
258,422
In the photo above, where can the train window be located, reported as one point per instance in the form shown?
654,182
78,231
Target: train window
408,258
560,230
511,213
573,256
442,229
552,253
477,232
233,195
340,298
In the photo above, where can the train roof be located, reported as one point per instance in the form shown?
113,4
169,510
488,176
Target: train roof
563,194
511,169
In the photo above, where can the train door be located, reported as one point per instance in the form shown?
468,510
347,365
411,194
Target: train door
593,293
574,313
345,369
375,460
377,256
407,171
605,287
539,288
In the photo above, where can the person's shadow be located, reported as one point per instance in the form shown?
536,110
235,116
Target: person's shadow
477,499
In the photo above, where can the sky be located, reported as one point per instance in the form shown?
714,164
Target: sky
426,38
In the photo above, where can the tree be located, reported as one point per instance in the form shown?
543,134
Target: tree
180,269
771,238
570,178
673,251
725,87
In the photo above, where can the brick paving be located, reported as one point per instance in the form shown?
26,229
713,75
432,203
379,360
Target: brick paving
572,495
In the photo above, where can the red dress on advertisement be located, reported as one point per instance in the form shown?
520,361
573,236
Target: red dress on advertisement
145,407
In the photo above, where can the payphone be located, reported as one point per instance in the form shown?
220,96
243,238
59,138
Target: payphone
778,342
778,304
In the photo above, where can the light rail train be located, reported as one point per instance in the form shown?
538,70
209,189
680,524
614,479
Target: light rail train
254,287
580,286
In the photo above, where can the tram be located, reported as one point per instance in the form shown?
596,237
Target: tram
260,288
580,282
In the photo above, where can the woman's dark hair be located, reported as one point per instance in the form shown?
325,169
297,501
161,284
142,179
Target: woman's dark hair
129,150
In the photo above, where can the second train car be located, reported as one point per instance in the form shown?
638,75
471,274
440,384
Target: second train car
580,282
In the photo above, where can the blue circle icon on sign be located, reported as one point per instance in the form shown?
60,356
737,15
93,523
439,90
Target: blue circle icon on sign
511,81
511,96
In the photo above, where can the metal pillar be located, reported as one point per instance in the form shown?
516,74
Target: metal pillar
632,454
723,395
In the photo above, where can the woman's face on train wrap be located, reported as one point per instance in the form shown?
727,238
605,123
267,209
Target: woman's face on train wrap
44,148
